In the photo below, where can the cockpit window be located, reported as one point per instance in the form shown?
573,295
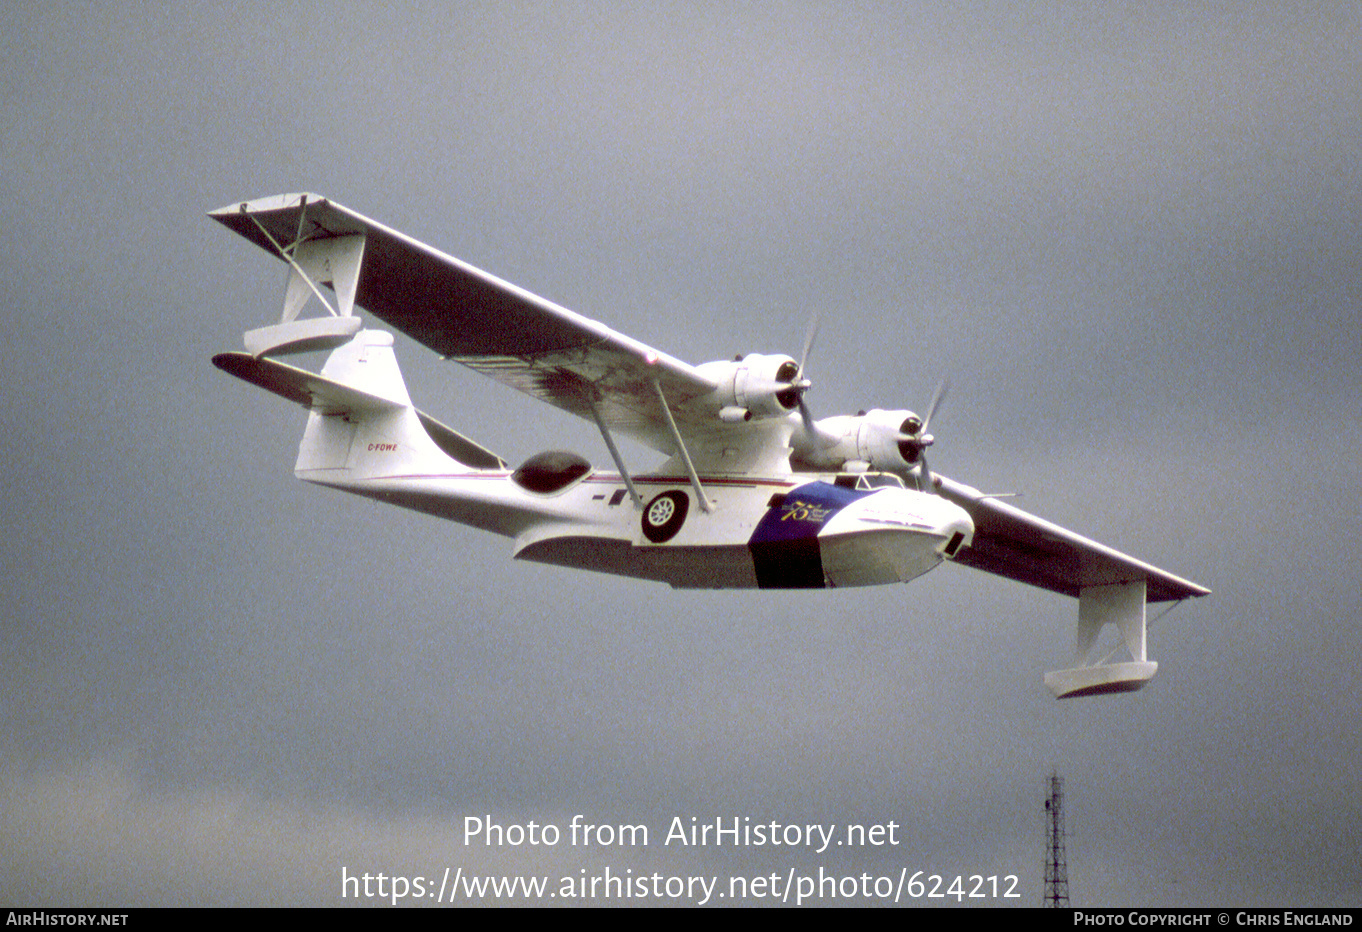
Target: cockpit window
868,481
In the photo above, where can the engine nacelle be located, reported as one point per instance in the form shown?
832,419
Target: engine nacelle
754,386
883,441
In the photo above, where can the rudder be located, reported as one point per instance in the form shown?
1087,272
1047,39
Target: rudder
371,429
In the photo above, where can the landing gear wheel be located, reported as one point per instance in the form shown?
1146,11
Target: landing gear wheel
664,516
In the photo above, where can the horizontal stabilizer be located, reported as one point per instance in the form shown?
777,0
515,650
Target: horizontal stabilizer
302,336
318,392
301,386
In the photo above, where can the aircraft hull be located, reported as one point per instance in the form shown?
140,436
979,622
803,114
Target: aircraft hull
769,533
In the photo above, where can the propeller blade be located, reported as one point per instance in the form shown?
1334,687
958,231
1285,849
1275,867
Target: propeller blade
937,397
923,440
808,342
804,384
924,478
807,416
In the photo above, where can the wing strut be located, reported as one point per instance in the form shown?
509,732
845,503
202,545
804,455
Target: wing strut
334,259
700,496
615,455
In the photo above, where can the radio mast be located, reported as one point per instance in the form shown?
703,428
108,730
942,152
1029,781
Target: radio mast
1056,866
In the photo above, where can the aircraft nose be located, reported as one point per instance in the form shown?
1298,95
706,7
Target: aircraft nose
955,525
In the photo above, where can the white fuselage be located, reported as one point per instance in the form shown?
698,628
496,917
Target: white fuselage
795,531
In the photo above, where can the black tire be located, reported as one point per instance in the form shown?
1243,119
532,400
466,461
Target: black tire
664,515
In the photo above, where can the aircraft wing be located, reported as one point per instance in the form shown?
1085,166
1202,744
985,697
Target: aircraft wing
505,332
1020,546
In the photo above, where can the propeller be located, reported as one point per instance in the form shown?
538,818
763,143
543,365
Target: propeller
912,436
921,440
790,382
804,413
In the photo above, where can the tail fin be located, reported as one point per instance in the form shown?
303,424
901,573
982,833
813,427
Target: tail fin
361,423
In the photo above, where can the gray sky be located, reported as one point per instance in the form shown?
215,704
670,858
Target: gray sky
1129,237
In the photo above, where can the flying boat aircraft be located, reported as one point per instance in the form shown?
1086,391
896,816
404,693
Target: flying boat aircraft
754,492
